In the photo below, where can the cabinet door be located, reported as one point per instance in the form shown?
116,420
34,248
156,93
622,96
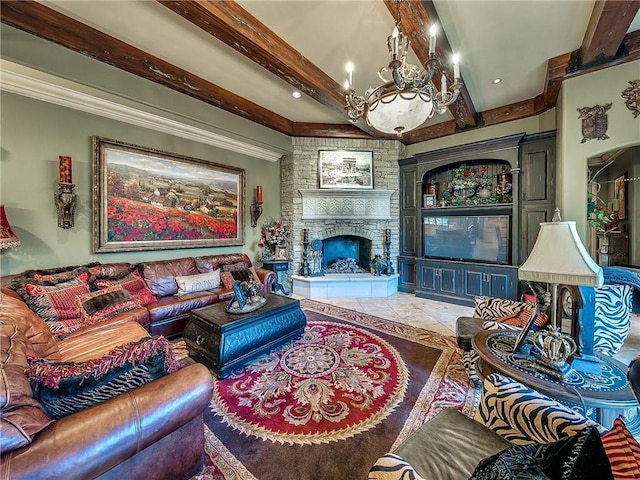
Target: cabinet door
407,272
473,284
448,280
537,188
428,280
501,284
408,211
490,281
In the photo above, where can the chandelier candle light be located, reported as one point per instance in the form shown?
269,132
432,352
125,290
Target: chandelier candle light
407,98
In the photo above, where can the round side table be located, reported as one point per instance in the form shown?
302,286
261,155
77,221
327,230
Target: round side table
601,397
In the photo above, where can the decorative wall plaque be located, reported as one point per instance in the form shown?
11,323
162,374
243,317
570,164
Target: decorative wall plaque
631,97
594,122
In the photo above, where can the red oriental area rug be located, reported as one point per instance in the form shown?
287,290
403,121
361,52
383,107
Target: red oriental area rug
326,406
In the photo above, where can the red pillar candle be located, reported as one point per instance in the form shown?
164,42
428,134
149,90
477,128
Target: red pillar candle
64,169
259,194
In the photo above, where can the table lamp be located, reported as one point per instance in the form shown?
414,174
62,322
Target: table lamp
558,257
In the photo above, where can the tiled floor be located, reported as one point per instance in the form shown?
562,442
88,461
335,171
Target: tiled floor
441,317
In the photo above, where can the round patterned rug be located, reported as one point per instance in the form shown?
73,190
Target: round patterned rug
336,381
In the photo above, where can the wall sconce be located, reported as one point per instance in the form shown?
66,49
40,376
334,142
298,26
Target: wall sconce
256,207
65,198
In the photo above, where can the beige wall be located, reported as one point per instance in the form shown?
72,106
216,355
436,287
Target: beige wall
598,88
34,133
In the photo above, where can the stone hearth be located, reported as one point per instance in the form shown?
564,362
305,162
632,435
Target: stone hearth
345,285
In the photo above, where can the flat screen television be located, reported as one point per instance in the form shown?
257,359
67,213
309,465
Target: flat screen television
478,238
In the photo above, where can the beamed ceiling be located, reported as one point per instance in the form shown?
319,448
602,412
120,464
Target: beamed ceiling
247,57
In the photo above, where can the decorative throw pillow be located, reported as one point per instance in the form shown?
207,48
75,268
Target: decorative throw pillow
244,275
392,467
522,415
198,283
67,387
580,457
519,319
491,308
98,306
623,451
230,267
54,302
130,280
63,274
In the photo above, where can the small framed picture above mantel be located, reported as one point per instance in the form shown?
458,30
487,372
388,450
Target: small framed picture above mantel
345,169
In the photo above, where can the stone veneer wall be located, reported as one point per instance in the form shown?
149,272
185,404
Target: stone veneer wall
299,170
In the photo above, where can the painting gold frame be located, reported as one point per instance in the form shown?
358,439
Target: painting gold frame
148,199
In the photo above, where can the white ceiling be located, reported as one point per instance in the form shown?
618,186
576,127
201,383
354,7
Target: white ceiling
508,39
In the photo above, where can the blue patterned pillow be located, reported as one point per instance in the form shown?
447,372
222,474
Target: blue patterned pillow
63,388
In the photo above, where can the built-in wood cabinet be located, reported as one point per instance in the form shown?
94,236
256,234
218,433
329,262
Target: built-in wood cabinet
460,282
427,195
537,187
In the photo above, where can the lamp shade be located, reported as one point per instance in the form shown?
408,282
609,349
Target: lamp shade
559,257
8,239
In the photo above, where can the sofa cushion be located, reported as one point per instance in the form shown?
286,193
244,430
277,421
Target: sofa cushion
39,342
65,388
210,263
160,276
98,306
623,451
176,306
519,319
21,416
198,283
54,301
579,457
128,279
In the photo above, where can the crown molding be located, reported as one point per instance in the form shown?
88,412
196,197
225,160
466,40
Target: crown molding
31,83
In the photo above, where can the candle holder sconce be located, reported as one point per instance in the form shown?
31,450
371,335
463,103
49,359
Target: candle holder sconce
255,210
66,200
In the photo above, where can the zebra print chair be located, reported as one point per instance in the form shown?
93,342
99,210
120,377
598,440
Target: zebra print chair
450,445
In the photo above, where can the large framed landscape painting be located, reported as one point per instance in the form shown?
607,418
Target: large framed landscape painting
146,199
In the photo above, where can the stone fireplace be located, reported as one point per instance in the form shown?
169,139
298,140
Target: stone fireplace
354,220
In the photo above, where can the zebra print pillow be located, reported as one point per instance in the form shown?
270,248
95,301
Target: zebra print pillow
63,388
612,317
521,415
392,467
491,308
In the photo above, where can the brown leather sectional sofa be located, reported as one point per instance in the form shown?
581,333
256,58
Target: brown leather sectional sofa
153,431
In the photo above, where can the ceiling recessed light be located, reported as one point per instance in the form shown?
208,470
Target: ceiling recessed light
296,94
496,81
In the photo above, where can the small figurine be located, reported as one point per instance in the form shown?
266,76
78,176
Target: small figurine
378,265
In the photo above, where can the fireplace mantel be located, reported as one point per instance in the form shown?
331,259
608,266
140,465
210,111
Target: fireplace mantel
322,204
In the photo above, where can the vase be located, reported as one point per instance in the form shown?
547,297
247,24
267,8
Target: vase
484,193
464,192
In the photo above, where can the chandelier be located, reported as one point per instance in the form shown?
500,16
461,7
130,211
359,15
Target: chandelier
407,98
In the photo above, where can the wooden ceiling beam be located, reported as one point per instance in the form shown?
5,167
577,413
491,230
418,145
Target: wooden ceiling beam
415,19
328,130
44,22
608,25
230,23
